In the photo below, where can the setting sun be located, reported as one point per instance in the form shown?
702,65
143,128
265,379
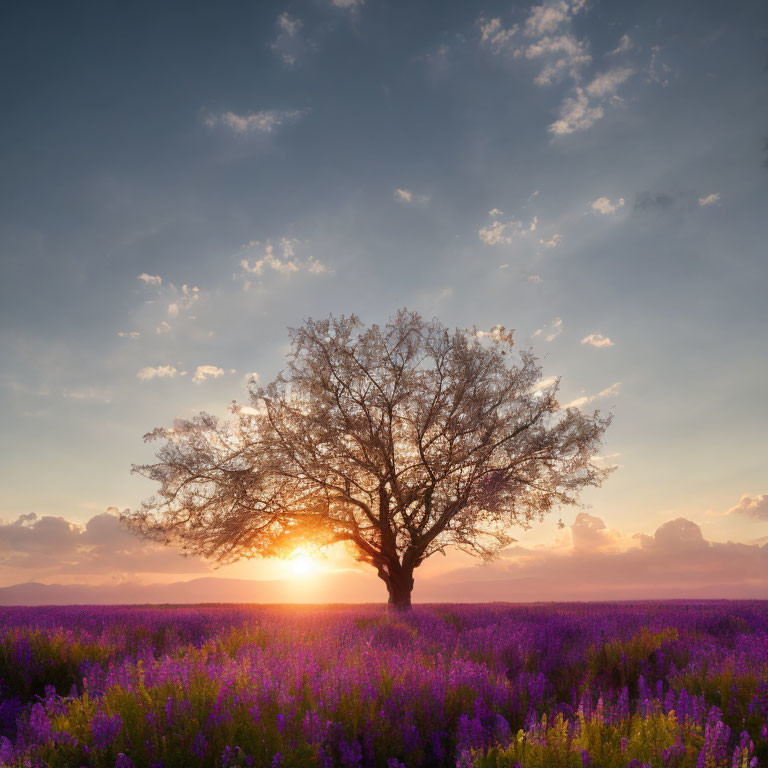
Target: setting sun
302,563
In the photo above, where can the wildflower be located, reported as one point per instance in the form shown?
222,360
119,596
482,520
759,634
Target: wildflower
39,724
123,761
105,729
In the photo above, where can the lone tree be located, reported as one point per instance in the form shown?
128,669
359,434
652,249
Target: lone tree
401,440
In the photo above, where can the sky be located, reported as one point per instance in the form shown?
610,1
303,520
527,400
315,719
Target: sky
182,182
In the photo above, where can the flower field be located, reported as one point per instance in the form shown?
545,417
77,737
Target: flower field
644,684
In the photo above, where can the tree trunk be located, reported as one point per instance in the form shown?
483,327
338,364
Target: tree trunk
399,586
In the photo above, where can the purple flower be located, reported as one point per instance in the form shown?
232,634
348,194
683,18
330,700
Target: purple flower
105,729
199,745
39,724
123,761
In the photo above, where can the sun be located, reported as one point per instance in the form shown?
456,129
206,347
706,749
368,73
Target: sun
302,564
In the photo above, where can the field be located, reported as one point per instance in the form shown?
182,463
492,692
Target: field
644,684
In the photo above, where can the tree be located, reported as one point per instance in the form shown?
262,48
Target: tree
400,440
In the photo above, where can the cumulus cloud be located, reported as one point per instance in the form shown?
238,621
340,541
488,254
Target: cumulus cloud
755,507
280,258
597,340
265,122
547,40
605,206
550,332
709,199
407,197
164,327
553,242
159,372
500,232
150,279
46,547
600,563
203,372
586,399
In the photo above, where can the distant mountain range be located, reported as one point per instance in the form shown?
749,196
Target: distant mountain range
464,586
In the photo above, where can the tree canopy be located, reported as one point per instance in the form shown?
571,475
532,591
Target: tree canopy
401,440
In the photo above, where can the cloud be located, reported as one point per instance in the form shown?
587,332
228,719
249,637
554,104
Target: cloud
553,242
535,279
500,232
562,56
548,41
544,19
164,327
288,45
625,44
494,36
160,372
586,399
48,546
709,199
597,340
184,300
264,122
576,114
347,4
407,197
281,259
89,393
607,83
150,279
605,206
128,334
755,507
600,563
203,372
550,332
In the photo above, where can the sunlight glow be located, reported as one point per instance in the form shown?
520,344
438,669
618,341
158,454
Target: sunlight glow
302,563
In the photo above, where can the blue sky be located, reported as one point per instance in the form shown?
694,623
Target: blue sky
181,182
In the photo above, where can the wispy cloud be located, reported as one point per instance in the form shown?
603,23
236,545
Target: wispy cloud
128,334
605,206
265,122
185,298
550,332
597,340
159,372
709,199
288,44
407,197
150,279
625,44
553,242
586,399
